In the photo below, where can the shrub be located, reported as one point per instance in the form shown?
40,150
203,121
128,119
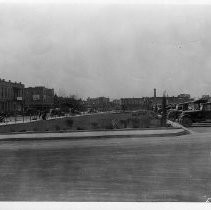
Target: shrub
80,128
115,123
124,123
94,125
57,127
135,122
12,130
109,126
69,122
35,129
145,122
152,115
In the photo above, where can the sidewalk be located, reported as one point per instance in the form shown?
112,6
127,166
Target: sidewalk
96,134
26,119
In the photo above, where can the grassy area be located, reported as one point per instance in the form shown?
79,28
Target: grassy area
140,119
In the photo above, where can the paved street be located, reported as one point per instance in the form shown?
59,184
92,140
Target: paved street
122,169
74,135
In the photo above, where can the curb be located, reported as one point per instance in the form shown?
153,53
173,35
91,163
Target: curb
178,125
184,132
91,130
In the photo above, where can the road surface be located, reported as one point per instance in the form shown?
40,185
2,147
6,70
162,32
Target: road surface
122,169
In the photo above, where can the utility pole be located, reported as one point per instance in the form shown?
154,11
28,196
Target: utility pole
164,111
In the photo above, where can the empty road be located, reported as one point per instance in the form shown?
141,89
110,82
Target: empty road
121,169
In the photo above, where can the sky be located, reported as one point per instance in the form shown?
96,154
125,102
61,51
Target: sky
111,50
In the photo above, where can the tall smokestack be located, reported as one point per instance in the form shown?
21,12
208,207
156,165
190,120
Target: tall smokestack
155,93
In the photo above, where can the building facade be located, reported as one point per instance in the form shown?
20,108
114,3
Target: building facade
181,98
116,104
131,103
39,98
136,103
99,103
11,96
183,95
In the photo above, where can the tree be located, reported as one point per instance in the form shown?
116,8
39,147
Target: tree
66,103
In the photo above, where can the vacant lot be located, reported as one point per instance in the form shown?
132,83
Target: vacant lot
151,169
140,119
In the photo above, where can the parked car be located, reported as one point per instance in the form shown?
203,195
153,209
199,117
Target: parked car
174,114
195,116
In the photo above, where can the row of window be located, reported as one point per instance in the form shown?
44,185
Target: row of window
132,102
6,92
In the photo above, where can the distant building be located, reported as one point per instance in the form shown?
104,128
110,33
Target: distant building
206,96
116,101
115,104
11,96
173,100
99,103
135,103
39,98
187,96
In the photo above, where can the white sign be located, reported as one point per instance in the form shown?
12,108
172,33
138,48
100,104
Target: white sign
19,98
36,97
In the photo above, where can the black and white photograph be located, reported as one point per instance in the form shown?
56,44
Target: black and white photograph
105,102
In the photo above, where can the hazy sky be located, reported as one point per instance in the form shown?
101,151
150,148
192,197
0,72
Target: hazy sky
107,50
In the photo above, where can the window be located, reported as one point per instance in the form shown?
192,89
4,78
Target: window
5,92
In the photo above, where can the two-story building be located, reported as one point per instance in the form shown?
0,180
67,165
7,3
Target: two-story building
39,98
11,96
132,103
99,103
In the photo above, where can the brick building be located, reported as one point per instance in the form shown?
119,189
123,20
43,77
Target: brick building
99,103
184,95
174,100
131,103
11,96
136,103
39,98
116,104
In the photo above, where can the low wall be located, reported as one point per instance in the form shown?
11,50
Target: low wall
143,119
